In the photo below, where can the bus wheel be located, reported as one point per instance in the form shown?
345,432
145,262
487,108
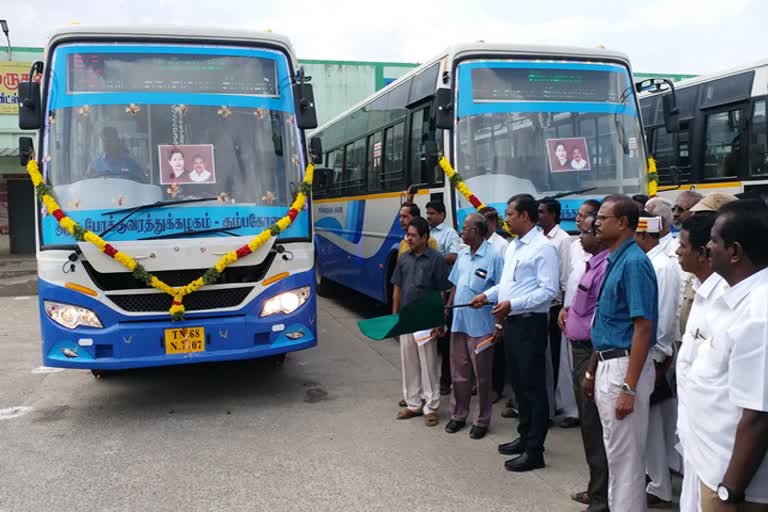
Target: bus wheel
321,284
99,374
278,360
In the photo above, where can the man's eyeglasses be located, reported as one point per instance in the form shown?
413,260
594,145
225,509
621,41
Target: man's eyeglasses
680,209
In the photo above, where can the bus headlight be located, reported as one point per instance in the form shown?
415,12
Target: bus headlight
286,303
71,316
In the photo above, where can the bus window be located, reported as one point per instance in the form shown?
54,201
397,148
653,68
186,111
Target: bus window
336,163
663,148
722,144
375,160
353,176
415,153
758,141
394,140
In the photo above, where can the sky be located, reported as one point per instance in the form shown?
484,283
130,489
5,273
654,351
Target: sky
661,36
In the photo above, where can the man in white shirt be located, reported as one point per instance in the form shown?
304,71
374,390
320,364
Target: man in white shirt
549,221
498,242
529,282
660,207
668,282
708,287
728,392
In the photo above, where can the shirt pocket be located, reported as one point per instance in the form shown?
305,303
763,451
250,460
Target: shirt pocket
478,281
711,361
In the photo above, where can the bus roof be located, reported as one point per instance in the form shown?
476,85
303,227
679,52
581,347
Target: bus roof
763,63
481,49
212,34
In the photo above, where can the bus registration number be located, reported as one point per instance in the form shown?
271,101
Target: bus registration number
184,340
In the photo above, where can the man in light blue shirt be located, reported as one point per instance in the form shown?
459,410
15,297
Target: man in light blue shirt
529,282
478,268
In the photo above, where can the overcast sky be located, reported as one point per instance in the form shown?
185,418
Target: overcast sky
664,36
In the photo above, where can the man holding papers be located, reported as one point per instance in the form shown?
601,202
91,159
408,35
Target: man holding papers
478,267
419,271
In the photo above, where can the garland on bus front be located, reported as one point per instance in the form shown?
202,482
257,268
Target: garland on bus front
653,177
139,272
458,183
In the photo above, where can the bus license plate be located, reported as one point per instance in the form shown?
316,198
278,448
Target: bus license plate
184,340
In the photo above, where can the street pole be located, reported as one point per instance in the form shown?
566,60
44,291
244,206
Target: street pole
4,27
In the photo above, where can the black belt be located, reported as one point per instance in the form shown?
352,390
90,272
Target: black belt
524,316
612,353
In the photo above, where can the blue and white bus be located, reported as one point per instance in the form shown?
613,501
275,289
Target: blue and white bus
510,119
175,145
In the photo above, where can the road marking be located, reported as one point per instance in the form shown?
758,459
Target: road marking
23,297
13,412
47,369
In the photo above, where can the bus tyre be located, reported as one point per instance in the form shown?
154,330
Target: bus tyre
321,284
278,360
99,374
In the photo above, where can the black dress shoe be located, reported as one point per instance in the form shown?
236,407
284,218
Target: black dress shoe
510,412
478,432
454,426
524,463
512,448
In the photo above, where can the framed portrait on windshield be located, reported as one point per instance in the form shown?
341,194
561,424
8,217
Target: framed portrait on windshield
186,164
568,154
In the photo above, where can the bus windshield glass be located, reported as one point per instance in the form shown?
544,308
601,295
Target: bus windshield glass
546,128
133,124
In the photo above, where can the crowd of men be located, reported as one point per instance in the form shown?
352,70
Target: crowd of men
649,331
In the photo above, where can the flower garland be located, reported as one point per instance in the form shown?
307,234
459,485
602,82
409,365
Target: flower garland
653,177
458,183
139,272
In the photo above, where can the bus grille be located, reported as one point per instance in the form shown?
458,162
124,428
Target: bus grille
200,300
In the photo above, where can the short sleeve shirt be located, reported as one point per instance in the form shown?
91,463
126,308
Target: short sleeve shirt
418,275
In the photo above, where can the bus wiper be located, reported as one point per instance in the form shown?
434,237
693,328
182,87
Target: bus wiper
571,193
156,204
182,234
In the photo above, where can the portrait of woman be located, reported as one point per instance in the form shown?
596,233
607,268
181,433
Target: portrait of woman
176,163
186,164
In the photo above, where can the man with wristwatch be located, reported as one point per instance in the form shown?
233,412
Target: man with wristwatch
726,391
621,374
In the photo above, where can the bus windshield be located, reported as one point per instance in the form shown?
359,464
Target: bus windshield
546,128
135,124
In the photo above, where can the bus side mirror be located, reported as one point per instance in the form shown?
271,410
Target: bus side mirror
443,108
30,107
671,113
316,150
26,150
431,155
304,101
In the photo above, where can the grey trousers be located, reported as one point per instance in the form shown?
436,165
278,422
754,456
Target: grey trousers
591,432
466,366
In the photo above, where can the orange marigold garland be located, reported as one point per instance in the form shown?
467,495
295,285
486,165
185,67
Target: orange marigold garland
139,272
458,183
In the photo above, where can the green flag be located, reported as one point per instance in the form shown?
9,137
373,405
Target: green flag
424,313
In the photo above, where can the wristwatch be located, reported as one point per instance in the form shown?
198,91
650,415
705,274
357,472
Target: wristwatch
726,495
627,390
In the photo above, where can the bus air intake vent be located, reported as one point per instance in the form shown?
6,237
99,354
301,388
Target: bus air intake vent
198,301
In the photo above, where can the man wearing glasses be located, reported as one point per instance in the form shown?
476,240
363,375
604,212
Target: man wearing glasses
682,208
623,332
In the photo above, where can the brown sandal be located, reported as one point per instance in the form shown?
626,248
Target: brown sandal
430,419
406,414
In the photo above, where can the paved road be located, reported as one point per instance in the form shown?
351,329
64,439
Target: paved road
317,434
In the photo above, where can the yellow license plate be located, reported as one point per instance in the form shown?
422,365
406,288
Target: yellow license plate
184,340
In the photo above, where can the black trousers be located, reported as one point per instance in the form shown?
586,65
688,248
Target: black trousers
591,432
444,349
554,343
499,369
525,344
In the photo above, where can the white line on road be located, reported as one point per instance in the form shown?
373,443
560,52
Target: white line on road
47,369
13,412
23,297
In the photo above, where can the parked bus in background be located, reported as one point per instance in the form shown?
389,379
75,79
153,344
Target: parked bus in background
176,146
719,139
510,119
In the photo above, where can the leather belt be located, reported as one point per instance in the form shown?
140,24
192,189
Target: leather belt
612,353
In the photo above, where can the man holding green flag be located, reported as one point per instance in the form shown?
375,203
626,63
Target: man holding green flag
419,272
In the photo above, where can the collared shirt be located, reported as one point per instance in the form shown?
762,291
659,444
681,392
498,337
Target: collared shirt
629,291
498,243
578,259
404,247
531,275
578,323
562,242
668,284
417,275
669,242
724,370
473,274
448,240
